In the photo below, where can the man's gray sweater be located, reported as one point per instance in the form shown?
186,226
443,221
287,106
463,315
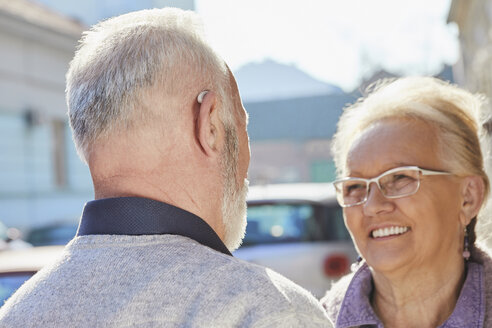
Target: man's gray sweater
157,281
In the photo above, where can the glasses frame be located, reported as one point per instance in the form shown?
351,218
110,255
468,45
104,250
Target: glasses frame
376,181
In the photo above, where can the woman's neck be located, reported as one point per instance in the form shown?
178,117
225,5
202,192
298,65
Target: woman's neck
422,297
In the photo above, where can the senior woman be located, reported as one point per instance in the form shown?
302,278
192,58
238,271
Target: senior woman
412,184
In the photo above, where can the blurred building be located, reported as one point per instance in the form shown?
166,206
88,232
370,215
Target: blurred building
291,138
474,72
474,69
292,120
41,178
292,117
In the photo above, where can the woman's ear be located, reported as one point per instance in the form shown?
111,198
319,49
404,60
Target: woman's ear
472,191
208,122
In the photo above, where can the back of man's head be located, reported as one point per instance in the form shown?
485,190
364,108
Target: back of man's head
137,122
122,58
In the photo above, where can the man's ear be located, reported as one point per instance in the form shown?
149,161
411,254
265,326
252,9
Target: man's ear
208,123
472,191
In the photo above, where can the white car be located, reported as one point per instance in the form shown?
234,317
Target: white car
298,231
16,266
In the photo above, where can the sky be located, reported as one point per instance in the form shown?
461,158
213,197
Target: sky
338,42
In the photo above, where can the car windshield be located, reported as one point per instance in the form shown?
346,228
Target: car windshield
52,235
9,282
278,223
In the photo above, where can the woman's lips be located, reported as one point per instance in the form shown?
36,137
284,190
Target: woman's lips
388,231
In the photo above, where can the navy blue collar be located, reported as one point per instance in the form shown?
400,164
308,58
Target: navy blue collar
142,216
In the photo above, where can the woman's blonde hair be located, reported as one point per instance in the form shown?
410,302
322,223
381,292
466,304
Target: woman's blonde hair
456,114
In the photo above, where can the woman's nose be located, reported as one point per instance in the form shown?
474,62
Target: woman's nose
376,202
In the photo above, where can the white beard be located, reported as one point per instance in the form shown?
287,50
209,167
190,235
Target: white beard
234,216
234,196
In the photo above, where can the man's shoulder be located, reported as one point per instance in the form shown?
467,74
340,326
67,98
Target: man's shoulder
232,288
267,297
144,274
271,281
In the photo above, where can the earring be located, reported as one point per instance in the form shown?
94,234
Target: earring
466,252
356,264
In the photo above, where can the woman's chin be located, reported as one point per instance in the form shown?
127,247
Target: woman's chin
387,261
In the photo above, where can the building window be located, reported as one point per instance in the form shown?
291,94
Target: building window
322,171
59,154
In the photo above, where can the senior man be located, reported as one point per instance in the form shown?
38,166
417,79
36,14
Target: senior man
157,117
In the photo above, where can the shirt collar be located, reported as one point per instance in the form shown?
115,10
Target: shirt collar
356,308
142,216
470,308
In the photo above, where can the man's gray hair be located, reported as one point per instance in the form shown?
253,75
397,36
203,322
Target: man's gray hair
118,59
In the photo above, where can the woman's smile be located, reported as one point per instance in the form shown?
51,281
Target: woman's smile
391,231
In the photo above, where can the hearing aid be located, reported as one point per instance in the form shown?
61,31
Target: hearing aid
201,95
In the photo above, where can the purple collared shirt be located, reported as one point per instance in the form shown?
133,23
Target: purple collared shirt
469,312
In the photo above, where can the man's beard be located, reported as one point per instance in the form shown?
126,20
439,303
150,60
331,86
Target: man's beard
234,196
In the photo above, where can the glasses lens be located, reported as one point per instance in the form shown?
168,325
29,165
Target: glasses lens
400,183
395,184
351,192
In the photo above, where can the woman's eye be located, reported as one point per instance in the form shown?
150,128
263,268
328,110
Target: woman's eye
397,177
354,188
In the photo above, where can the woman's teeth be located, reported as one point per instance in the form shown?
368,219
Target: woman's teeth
390,231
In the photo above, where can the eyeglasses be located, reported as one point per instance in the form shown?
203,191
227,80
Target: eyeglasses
395,183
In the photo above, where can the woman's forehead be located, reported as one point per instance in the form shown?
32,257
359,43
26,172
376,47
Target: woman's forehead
393,142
